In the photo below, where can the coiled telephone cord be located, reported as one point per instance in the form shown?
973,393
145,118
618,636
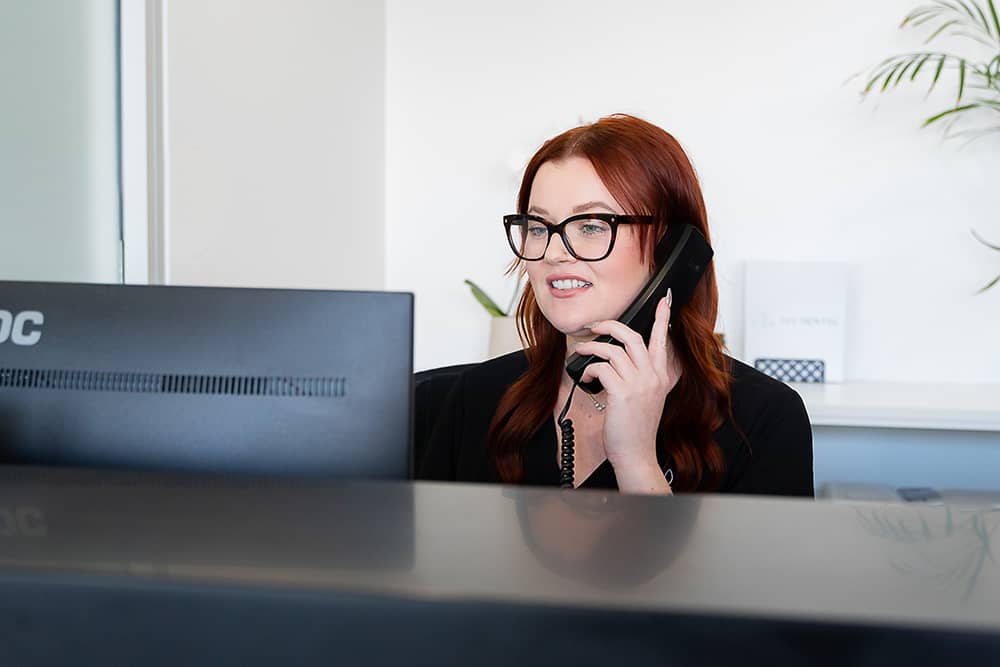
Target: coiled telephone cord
567,448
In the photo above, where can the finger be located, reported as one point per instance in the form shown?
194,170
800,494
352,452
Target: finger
635,346
614,354
608,376
659,340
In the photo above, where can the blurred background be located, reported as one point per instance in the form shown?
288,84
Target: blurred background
376,145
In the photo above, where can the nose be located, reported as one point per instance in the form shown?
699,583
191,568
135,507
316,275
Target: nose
556,251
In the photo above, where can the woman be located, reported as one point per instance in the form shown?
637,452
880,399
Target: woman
674,415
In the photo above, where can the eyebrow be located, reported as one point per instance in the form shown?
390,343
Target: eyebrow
581,208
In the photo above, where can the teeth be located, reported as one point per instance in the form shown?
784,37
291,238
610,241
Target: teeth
569,284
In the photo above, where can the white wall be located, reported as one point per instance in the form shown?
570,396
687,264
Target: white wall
274,143
59,211
792,165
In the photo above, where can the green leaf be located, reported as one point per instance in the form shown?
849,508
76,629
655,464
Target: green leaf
921,15
983,21
965,7
920,64
976,38
879,72
949,112
961,7
989,284
902,73
917,22
996,19
888,78
916,14
984,241
949,6
975,134
491,307
944,26
937,73
961,80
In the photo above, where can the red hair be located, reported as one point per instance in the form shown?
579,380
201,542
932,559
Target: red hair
647,172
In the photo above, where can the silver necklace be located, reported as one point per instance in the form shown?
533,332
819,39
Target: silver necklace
597,404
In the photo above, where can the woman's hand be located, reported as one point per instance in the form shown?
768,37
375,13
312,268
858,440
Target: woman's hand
637,380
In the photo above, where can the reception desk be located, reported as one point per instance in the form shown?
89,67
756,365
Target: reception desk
123,568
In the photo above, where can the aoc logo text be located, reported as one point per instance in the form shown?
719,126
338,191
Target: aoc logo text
24,328
22,522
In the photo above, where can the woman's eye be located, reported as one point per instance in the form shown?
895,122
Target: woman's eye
593,229
537,231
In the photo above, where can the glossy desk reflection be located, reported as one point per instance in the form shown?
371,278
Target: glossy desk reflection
442,559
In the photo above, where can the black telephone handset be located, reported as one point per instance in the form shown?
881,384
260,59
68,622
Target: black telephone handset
682,256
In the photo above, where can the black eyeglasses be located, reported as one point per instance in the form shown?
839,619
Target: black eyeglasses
589,237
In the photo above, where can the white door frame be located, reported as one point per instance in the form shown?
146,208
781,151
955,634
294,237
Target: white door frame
142,141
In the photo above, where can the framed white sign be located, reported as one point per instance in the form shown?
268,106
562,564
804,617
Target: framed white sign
795,319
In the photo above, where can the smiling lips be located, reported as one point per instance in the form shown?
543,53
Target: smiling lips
564,287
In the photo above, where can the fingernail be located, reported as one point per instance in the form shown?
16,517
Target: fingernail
670,297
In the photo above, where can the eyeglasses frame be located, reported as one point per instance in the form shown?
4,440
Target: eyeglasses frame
613,219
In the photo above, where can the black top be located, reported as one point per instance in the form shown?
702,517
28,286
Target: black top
769,413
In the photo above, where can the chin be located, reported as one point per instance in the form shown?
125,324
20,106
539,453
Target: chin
576,328
570,321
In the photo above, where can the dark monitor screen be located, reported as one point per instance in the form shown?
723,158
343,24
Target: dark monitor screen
206,379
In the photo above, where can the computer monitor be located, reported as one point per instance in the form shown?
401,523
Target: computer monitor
205,379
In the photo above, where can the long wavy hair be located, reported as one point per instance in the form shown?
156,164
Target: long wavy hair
646,171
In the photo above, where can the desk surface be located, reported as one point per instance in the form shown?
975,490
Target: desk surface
741,557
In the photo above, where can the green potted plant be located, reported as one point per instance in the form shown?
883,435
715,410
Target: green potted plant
976,110
503,326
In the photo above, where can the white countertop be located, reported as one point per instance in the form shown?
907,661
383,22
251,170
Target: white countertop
963,407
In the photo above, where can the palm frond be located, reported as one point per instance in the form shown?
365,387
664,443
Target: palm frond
989,285
973,135
891,71
977,16
989,245
973,20
979,87
944,26
986,243
961,81
993,66
965,8
944,114
937,73
996,19
889,68
976,38
920,64
917,22
902,72
964,15
982,18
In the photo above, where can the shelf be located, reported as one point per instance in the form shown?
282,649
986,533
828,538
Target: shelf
961,407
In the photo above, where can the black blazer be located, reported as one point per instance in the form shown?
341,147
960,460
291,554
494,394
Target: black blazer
769,413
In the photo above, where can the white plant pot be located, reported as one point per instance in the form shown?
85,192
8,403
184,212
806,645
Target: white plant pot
503,336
